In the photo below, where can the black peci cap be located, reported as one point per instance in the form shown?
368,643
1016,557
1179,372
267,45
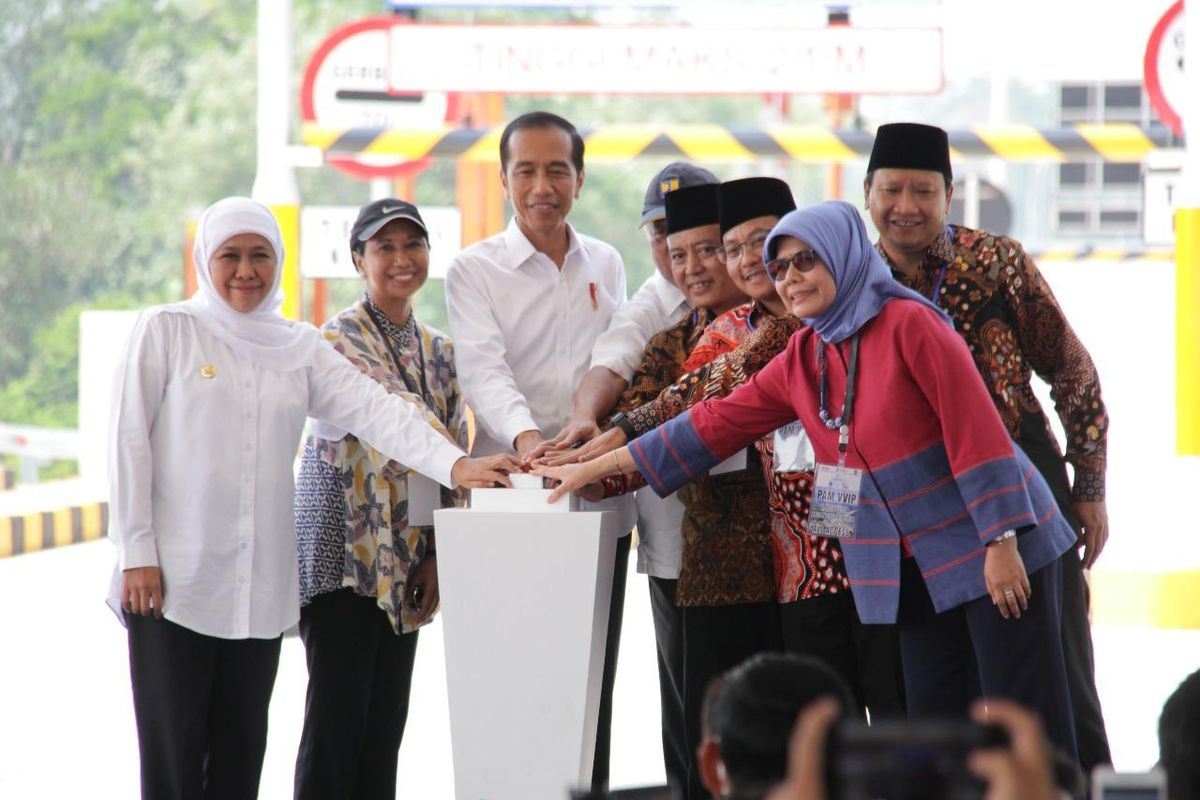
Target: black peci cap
911,145
749,198
691,208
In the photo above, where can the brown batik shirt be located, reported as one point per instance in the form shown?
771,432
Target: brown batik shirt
805,566
726,526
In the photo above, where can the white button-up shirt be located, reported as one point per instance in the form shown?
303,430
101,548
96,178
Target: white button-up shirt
524,330
202,445
656,306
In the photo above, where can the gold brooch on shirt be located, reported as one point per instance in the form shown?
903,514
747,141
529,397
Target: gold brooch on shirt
208,371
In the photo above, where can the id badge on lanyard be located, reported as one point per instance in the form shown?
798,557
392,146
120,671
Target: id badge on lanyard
835,501
837,488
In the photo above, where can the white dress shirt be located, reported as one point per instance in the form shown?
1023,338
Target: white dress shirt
202,445
656,306
524,329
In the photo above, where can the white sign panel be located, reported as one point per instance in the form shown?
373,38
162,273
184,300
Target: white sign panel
325,240
1162,184
597,60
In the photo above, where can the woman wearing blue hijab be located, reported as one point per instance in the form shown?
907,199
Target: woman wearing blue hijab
945,526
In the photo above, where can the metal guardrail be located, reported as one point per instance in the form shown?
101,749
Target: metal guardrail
26,440
37,446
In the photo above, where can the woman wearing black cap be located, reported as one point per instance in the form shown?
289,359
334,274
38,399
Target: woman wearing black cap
368,574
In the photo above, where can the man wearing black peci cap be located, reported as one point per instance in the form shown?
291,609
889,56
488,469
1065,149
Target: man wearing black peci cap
1004,309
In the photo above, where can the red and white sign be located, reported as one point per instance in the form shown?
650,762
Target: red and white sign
581,59
346,85
1163,68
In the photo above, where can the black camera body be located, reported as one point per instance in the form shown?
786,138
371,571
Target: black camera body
909,759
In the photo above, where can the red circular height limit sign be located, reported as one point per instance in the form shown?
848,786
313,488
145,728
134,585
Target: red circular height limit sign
347,85
1163,68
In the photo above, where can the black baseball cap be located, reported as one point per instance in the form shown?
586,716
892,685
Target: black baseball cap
374,216
676,175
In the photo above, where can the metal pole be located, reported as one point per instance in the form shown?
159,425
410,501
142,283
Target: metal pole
1187,249
275,180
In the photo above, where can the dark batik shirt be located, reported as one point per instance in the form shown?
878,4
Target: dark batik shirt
726,525
805,566
1004,309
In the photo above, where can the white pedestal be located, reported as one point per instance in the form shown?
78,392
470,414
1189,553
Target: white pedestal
525,598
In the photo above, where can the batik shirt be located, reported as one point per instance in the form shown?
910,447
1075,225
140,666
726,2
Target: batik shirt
1004,309
725,528
805,566
726,332
351,501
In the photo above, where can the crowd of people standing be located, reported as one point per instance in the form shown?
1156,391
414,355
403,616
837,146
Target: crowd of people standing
829,447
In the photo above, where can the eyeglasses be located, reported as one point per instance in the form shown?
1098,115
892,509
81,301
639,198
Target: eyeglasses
803,261
734,252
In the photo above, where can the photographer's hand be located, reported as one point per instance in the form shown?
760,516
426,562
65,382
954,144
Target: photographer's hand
806,753
1022,772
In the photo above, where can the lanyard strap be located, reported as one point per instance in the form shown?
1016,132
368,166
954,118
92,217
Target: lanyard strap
842,423
421,391
937,287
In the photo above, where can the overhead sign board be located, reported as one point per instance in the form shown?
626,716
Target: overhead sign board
1163,69
582,59
325,240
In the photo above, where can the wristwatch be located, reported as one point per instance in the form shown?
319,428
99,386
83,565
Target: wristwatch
619,420
1004,537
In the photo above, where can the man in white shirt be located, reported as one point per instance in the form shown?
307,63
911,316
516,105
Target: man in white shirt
526,307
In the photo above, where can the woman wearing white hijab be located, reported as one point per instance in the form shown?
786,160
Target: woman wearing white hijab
211,399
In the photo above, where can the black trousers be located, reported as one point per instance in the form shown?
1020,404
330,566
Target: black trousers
1076,625
716,639
1081,667
668,636
866,656
970,651
201,706
359,676
616,611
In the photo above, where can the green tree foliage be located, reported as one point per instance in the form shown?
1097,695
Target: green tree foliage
121,119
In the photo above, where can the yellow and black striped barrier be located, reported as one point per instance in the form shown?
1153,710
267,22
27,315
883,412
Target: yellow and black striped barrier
1111,142
1098,254
42,530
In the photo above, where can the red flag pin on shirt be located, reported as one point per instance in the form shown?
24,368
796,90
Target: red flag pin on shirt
592,292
